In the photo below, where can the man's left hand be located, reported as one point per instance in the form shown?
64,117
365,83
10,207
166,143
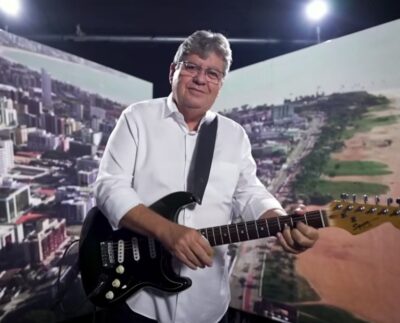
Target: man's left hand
298,239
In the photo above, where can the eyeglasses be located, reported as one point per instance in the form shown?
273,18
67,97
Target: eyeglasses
212,75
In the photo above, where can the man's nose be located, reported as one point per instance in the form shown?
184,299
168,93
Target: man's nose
200,77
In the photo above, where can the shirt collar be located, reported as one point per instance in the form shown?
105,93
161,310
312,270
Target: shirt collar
172,111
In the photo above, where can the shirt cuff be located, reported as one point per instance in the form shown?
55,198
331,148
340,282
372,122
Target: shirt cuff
258,208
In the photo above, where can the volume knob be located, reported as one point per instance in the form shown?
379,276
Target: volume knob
116,283
109,295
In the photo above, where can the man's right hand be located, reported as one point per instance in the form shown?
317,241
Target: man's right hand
187,245
184,243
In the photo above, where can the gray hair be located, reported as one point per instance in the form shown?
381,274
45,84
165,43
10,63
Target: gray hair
203,43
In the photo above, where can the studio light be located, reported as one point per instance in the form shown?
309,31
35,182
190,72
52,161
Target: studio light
316,10
10,7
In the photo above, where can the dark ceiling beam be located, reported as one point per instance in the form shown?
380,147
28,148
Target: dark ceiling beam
158,39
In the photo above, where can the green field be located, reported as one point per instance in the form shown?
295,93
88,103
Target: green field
325,314
366,124
349,168
334,189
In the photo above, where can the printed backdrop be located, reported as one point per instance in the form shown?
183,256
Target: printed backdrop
322,121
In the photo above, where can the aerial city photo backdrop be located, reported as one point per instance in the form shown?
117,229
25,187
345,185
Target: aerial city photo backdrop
322,121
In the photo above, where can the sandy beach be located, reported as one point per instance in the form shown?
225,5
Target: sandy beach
361,273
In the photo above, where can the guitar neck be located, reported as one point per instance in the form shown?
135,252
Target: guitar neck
262,228
353,217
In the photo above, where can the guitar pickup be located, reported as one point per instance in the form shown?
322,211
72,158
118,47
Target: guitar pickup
107,254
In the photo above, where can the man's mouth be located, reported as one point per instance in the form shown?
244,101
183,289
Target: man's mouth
196,90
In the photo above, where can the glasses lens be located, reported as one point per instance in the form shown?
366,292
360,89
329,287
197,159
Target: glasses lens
211,74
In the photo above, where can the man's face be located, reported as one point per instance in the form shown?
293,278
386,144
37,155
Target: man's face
194,93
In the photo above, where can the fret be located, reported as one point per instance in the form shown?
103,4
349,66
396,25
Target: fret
247,231
252,232
218,236
229,234
203,232
256,225
274,226
296,218
262,228
235,231
285,221
215,241
209,236
305,218
322,218
226,237
242,231
266,223
279,223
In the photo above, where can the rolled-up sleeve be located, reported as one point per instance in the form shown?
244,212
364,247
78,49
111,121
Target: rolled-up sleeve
251,198
113,189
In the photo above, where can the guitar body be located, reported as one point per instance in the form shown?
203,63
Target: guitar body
116,264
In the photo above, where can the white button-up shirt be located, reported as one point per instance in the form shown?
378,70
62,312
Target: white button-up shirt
148,156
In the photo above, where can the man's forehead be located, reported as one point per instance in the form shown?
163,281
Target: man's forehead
213,56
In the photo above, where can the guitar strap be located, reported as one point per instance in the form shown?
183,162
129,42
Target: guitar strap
202,159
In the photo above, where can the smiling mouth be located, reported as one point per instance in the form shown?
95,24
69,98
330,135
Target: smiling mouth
196,90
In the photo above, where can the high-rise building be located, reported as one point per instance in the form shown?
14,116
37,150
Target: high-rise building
42,141
6,156
35,107
77,111
50,122
8,115
46,89
14,199
78,149
60,126
21,135
87,178
45,239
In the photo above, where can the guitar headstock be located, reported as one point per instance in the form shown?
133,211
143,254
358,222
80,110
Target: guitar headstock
360,217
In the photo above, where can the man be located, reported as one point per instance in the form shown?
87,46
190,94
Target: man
148,156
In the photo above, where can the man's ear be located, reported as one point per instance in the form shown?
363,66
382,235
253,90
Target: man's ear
172,69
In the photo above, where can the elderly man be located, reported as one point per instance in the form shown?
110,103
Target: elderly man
149,155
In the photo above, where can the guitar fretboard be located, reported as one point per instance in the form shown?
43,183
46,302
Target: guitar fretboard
263,228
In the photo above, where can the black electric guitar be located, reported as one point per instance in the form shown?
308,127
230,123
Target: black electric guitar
116,264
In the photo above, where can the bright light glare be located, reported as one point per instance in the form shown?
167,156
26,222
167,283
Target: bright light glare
316,10
10,7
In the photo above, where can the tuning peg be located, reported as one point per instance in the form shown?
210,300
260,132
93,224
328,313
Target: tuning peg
365,198
398,203
344,196
377,199
354,197
389,201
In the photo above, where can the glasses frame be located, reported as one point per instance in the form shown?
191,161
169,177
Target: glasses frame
194,69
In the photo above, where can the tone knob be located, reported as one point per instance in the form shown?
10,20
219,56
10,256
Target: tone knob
120,269
116,283
109,295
